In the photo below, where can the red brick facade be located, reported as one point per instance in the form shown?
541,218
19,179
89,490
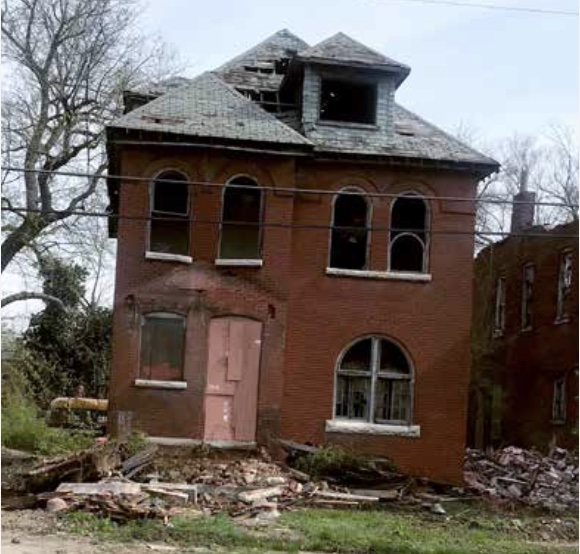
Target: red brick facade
308,317
512,388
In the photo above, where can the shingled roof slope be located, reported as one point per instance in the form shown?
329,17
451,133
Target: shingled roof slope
208,107
342,48
282,44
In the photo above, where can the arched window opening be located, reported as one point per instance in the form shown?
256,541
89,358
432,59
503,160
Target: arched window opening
374,383
162,346
348,248
241,220
409,234
169,231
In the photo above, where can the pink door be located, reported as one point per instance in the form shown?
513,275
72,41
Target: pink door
231,394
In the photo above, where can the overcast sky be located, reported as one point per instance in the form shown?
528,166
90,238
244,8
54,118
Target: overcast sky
497,71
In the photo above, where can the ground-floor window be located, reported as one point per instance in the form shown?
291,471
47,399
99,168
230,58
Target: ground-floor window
162,346
374,382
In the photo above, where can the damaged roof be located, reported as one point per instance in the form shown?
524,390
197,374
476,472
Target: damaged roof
209,106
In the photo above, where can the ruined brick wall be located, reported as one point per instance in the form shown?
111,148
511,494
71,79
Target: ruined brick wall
309,317
524,363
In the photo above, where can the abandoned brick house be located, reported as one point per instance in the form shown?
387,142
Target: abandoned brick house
524,388
281,267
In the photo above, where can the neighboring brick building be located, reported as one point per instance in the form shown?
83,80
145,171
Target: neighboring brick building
524,388
300,315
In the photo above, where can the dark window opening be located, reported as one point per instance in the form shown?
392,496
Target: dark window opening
527,296
408,236
564,287
169,232
241,220
162,347
374,383
559,400
348,248
348,102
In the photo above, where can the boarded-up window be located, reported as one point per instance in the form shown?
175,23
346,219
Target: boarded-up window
348,246
162,347
374,383
564,287
409,234
527,295
170,214
241,220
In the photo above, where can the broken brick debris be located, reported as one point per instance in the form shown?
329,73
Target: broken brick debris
525,476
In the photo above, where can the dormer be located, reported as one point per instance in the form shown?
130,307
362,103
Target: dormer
345,90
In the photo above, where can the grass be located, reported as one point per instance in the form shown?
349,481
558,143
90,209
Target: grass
24,429
344,531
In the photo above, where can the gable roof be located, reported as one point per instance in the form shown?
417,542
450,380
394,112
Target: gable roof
208,107
341,48
282,44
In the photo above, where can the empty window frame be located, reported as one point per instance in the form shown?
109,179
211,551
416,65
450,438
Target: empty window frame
347,101
564,286
374,383
499,307
162,346
241,230
349,230
409,235
559,400
169,206
527,295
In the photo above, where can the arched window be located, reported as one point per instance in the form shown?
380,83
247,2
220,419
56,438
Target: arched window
374,382
349,234
162,346
241,220
409,234
169,225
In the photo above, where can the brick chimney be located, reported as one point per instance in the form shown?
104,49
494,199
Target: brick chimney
523,207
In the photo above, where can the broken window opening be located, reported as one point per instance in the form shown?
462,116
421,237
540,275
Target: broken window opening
559,400
564,286
374,383
527,296
241,231
349,233
162,347
409,236
499,307
169,225
349,102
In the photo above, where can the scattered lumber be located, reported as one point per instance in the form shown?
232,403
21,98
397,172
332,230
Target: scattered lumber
138,462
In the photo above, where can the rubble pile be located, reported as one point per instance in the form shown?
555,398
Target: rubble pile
525,476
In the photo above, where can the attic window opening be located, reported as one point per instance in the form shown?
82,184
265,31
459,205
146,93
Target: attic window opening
349,233
349,102
169,224
241,220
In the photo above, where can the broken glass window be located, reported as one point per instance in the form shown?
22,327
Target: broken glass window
162,347
346,101
527,295
408,237
564,286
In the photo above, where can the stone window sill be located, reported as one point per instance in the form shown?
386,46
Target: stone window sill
163,257
385,275
239,262
365,428
153,384
558,422
562,320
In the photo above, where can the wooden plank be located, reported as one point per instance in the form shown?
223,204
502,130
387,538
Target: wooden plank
102,487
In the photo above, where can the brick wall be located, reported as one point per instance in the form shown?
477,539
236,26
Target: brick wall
308,316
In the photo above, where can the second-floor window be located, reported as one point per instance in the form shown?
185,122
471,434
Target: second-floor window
169,210
559,400
499,308
409,234
564,286
349,233
527,296
347,101
241,230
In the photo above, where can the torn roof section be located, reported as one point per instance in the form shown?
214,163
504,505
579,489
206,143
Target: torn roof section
228,104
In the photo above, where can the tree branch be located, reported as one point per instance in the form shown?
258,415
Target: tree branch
30,295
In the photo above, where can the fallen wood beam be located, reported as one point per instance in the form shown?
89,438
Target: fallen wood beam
116,488
329,495
297,447
80,403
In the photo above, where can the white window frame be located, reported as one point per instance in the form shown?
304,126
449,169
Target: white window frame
565,277
167,256
250,262
353,190
559,400
527,300
499,307
373,375
426,244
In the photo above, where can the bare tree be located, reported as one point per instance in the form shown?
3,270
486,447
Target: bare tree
67,64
